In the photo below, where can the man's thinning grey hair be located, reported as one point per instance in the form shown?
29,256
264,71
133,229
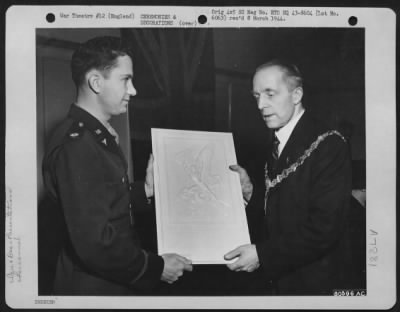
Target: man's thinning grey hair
292,75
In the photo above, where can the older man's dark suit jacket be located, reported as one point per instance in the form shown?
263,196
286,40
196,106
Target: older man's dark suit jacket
85,173
305,249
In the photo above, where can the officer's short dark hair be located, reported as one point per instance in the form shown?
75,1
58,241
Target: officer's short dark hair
99,53
292,75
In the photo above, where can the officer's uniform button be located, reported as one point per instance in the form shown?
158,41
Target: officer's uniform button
123,179
81,124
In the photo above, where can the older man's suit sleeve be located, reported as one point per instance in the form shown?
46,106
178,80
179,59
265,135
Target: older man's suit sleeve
96,209
322,187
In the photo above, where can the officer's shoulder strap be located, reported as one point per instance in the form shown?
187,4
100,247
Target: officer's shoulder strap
75,131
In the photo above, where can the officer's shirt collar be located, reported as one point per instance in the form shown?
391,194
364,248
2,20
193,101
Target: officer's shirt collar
89,121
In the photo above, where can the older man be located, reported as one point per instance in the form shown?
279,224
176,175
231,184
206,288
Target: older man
306,194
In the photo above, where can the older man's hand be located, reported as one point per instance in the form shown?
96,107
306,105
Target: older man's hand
245,183
247,258
149,181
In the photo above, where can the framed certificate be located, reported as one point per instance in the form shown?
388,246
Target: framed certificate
199,205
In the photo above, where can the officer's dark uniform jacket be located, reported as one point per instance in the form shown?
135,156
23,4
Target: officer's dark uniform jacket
86,174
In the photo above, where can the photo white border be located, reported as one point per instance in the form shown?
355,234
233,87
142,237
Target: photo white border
21,190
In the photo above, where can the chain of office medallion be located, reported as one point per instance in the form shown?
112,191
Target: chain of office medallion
286,172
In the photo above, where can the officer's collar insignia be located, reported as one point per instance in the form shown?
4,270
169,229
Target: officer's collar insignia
104,142
98,131
74,135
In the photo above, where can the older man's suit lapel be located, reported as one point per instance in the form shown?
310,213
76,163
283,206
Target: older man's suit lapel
298,142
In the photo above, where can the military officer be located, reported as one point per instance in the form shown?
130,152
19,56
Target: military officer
85,173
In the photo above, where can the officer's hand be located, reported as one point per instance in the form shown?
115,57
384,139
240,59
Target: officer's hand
149,181
174,265
245,183
247,258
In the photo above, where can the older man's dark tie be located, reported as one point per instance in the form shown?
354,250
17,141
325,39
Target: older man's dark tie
275,151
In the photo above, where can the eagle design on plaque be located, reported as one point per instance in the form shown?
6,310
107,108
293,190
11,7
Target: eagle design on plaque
203,184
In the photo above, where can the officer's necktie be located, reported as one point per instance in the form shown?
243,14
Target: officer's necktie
113,132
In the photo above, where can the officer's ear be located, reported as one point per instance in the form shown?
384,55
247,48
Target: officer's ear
94,80
297,95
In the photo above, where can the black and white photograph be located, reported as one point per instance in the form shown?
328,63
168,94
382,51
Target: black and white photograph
294,96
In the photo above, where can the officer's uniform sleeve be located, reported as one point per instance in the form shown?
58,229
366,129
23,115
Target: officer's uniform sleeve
98,218
138,196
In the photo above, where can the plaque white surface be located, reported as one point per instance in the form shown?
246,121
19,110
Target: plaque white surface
199,205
